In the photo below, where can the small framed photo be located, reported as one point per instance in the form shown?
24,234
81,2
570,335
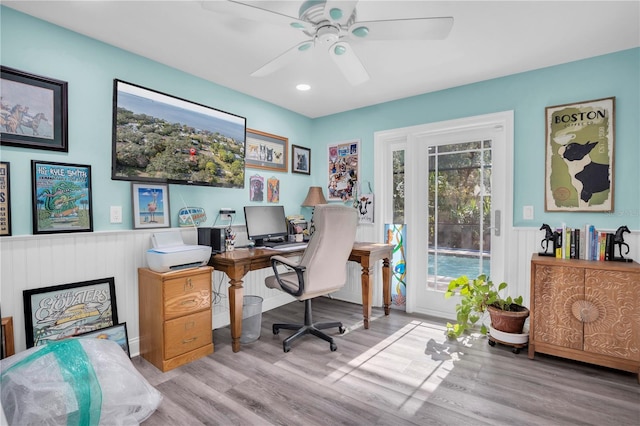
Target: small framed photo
61,311
61,197
5,200
266,151
117,333
150,205
34,111
300,160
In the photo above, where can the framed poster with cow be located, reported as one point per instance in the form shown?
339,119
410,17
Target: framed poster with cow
579,156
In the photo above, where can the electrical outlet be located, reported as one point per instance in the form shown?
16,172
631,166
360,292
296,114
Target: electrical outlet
115,214
227,214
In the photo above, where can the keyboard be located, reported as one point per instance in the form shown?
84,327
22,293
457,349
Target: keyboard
290,246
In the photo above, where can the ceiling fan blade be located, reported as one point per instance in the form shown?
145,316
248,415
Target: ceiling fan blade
339,11
348,63
403,29
254,13
282,60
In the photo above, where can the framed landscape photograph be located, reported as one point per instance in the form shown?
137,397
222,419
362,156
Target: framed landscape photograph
61,311
117,333
61,197
34,111
266,151
150,206
159,138
300,160
579,166
5,199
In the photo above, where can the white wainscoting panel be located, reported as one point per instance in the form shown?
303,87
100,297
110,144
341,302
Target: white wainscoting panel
35,261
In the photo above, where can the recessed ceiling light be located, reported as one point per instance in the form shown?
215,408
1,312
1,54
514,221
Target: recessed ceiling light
303,87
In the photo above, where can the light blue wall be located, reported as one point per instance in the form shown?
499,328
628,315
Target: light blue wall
90,66
527,94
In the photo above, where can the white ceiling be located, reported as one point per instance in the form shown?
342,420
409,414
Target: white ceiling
489,39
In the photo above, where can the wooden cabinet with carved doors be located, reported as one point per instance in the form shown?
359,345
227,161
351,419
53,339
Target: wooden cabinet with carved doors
175,316
586,310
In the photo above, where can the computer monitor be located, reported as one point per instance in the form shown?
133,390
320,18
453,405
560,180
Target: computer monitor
265,223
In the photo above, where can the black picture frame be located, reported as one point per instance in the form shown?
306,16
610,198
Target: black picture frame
5,199
61,197
61,311
300,160
160,138
34,111
117,333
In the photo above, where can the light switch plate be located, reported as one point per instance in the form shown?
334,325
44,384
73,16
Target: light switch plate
115,214
527,212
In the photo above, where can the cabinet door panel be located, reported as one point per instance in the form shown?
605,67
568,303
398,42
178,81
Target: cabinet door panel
557,287
613,297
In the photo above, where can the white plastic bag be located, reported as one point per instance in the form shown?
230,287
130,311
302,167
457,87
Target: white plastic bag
75,381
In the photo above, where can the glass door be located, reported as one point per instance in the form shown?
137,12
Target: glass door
459,209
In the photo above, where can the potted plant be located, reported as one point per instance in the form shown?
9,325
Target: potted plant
479,296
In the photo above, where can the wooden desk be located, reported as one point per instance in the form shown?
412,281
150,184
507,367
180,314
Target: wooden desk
237,263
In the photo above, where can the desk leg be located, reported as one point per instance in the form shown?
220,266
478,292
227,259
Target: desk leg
386,285
367,294
235,312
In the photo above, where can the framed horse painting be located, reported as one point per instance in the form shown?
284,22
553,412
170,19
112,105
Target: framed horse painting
33,111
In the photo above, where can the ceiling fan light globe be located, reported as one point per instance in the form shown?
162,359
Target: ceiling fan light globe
339,50
360,32
304,46
297,25
335,14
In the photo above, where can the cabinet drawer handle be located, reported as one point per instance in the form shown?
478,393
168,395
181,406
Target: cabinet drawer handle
189,340
189,302
188,285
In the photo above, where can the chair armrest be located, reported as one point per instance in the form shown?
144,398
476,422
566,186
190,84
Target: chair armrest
281,260
284,260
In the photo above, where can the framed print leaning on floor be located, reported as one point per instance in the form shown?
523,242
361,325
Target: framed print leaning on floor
54,313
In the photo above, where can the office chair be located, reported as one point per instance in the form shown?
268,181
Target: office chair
321,270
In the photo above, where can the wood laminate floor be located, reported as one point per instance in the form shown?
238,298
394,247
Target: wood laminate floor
401,371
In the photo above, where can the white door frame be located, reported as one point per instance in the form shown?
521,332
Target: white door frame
500,123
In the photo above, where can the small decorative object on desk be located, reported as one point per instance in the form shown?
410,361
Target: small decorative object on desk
230,239
618,240
549,237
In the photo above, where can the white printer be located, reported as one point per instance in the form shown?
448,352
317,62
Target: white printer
170,253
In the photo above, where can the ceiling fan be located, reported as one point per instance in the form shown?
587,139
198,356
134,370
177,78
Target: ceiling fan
331,25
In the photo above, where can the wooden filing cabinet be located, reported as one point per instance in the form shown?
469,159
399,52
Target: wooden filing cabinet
175,316
587,311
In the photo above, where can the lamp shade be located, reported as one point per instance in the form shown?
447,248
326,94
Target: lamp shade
314,197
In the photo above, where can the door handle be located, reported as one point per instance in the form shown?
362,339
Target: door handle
496,223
